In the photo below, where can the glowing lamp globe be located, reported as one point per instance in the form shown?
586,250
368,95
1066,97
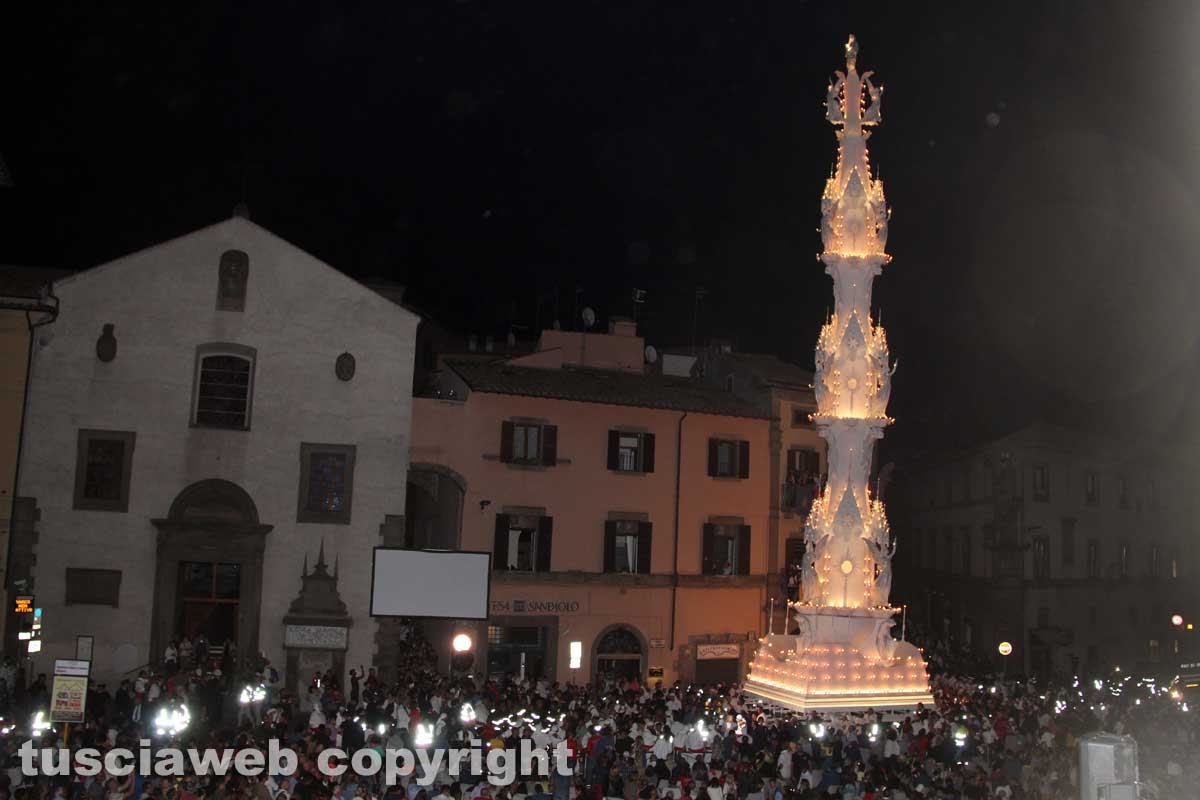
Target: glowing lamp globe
461,643
847,567
1005,648
1176,620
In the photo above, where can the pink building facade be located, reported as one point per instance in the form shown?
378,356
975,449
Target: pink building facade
627,515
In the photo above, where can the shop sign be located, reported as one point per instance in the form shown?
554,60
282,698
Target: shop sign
658,642
654,672
23,604
709,652
72,667
538,605
68,698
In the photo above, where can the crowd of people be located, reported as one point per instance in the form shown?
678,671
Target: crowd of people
984,737
800,490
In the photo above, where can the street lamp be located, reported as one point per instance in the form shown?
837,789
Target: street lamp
1176,620
1005,649
462,657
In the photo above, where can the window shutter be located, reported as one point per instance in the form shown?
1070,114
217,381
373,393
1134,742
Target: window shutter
544,533
500,550
550,445
712,457
610,546
743,545
706,561
506,442
614,443
743,459
647,452
644,547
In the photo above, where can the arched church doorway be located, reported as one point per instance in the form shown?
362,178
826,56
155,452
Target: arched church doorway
208,575
619,652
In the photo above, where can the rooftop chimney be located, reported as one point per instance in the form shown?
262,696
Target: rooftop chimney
622,326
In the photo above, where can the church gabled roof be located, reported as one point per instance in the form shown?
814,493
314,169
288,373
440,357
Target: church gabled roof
233,232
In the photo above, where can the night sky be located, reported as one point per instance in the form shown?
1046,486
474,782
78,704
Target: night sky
1041,159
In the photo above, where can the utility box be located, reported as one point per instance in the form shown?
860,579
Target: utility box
1108,767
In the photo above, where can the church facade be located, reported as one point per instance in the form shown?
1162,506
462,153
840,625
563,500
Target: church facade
207,419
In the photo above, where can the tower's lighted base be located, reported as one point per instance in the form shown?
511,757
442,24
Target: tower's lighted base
844,659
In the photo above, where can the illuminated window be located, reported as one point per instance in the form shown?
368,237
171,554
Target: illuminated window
630,451
529,443
726,549
627,546
326,483
523,542
525,442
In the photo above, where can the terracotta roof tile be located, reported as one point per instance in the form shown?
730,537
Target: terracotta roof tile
609,387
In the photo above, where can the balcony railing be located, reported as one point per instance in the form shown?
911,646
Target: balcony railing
796,498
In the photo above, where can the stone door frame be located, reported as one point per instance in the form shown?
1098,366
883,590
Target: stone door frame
230,537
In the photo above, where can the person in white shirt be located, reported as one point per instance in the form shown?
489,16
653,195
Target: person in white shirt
662,746
785,762
891,748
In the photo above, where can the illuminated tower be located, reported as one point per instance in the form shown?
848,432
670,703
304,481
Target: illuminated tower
842,654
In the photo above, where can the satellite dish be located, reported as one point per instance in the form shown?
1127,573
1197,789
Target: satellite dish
651,354
589,318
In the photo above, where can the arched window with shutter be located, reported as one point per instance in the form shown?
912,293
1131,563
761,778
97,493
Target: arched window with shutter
223,392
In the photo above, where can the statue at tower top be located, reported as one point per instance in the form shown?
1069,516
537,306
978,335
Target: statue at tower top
854,212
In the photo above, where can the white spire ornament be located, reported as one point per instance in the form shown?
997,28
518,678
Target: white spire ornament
843,656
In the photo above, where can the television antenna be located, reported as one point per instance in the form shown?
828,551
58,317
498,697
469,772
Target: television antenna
589,319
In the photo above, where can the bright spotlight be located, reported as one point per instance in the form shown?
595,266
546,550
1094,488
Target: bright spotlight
461,643
40,724
172,721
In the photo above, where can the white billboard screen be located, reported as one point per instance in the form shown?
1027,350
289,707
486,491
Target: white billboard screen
430,583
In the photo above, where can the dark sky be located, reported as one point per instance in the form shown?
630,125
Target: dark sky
1041,159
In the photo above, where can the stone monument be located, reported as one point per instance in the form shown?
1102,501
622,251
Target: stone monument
316,629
